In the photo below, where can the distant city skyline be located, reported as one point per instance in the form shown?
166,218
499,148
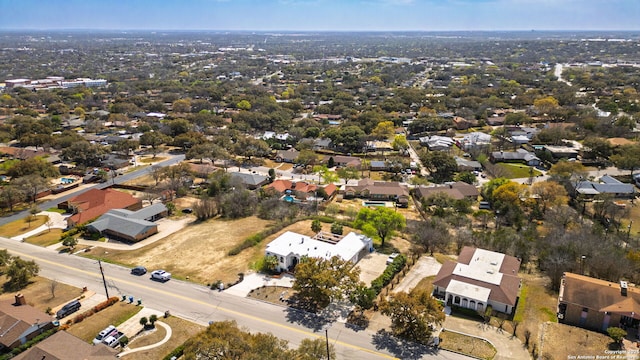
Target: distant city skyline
320,15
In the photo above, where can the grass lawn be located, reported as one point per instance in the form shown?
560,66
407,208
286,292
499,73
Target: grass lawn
38,293
468,345
113,315
55,209
517,171
181,331
45,238
22,226
426,283
148,337
149,159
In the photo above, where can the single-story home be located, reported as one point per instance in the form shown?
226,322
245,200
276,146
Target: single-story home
597,304
20,322
343,160
317,144
64,346
130,225
562,152
437,142
456,190
95,202
467,165
478,279
377,190
606,185
290,247
474,140
250,180
288,156
520,155
378,165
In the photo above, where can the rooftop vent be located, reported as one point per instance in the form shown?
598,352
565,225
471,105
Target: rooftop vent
623,288
490,271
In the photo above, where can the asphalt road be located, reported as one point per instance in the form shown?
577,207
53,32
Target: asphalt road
117,180
201,305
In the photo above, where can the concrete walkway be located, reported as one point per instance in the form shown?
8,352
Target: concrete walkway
255,280
507,347
128,351
58,221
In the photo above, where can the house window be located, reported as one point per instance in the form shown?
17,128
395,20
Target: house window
456,300
281,259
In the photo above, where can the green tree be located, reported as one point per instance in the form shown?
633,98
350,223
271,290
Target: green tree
316,226
466,177
36,165
319,281
155,140
269,263
627,158
250,147
144,321
336,228
412,315
400,143
315,349
307,157
70,242
363,297
84,153
381,222
384,130
152,320
440,165
20,273
244,105
616,334
11,195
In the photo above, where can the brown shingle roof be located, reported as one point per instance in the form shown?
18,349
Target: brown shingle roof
598,294
506,292
95,202
64,346
15,320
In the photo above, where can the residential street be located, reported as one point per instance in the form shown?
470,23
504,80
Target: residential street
117,180
200,304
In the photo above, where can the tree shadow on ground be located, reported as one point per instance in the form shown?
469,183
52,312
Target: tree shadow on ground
307,319
403,349
357,321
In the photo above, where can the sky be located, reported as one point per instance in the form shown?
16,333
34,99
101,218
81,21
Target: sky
320,15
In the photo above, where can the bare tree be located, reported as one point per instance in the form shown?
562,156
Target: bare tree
52,286
49,223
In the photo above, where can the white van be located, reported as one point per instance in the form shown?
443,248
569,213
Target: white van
108,331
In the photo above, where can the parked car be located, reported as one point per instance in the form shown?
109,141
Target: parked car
68,309
113,339
391,258
160,275
139,270
108,331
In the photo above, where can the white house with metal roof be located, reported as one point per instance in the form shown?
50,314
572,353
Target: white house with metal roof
290,247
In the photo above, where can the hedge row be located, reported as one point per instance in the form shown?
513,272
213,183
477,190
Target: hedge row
392,269
177,352
28,344
101,306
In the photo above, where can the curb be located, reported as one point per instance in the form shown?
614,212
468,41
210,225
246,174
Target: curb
469,335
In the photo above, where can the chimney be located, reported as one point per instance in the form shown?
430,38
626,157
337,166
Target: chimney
623,288
20,300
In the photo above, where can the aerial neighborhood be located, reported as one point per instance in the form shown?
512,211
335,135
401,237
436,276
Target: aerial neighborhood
172,193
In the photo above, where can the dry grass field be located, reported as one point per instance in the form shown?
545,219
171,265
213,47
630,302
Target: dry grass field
45,238
38,294
22,226
181,331
560,341
197,252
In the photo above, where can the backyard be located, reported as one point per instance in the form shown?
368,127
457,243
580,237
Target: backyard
40,293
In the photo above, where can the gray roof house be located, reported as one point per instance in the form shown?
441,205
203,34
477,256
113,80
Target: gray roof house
251,181
130,225
607,185
520,155
468,165
288,156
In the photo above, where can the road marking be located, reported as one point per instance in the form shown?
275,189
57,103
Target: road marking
217,307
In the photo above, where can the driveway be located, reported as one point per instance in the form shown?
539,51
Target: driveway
372,266
424,267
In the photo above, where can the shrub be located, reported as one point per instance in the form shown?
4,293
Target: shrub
389,272
175,354
123,341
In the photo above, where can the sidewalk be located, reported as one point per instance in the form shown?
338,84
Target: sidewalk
254,281
58,221
507,347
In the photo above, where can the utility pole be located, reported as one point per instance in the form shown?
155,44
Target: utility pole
104,282
326,335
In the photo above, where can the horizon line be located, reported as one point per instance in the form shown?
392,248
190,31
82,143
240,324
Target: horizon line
318,30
